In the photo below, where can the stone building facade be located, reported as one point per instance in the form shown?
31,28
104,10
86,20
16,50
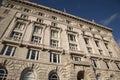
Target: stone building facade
41,43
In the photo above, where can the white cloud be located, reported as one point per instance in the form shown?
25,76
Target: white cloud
109,19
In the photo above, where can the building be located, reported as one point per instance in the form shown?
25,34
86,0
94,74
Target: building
41,43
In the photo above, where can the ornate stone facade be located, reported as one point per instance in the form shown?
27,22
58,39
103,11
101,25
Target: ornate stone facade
41,43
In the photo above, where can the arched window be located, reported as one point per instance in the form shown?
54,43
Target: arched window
80,75
98,77
112,77
3,74
53,76
28,74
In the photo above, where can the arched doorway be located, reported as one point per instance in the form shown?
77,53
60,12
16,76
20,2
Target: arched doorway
28,74
53,75
3,74
80,75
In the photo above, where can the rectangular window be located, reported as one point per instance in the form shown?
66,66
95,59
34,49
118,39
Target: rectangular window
87,41
8,50
89,50
107,65
68,22
26,10
32,54
94,63
54,34
71,37
54,58
53,24
19,26
101,52
54,43
37,30
40,14
69,28
97,43
53,17
76,58
110,53
73,46
118,65
24,16
16,36
39,20
36,39
1,18
106,45
6,11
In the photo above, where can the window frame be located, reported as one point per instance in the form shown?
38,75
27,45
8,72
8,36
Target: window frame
11,50
31,52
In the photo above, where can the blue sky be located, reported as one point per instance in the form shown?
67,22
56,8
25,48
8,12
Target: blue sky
105,12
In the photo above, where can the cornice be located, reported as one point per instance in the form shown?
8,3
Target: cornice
62,13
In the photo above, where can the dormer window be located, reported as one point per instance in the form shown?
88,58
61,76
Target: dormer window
26,10
53,17
39,20
68,22
40,14
24,16
53,24
69,28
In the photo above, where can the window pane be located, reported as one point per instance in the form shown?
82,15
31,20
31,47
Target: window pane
9,50
54,34
71,37
33,54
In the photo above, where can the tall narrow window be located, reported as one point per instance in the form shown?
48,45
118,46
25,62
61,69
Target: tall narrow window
33,54
54,34
19,26
54,58
89,49
95,63
86,41
16,36
107,65
37,30
118,65
73,46
53,43
36,39
71,37
106,45
97,43
8,50
3,74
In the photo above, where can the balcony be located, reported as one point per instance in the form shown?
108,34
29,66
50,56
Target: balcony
77,52
35,44
12,40
81,63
